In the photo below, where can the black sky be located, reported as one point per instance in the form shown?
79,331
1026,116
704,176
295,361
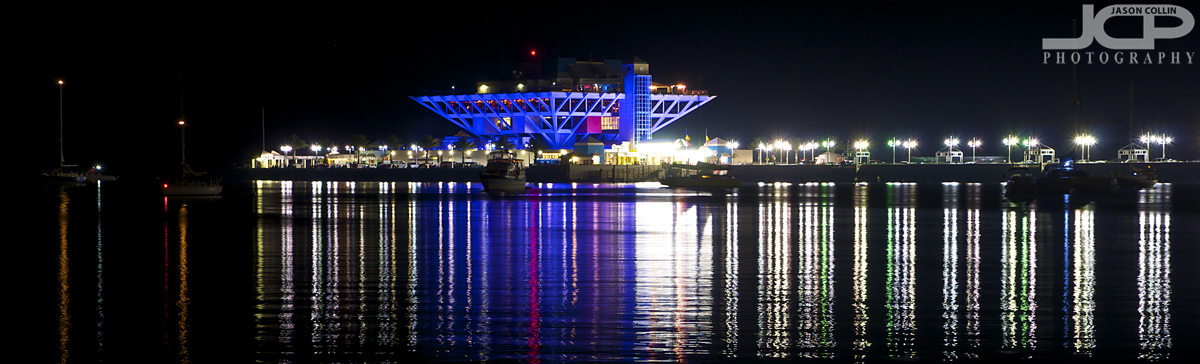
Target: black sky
793,69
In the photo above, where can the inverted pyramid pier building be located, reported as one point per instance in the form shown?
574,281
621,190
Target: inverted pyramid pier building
612,101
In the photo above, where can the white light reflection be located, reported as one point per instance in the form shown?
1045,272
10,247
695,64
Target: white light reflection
815,273
1154,284
901,271
861,340
950,270
1018,303
1083,283
775,269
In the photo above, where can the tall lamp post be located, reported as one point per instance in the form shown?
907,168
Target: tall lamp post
287,149
974,143
909,145
1009,142
893,143
859,146
1160,139
951,143
1086,141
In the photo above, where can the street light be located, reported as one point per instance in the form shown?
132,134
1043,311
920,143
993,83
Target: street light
286,149
951,143
893,143
1160,139
1009,142
1086,141
859,146
909,145
1034,143
974,143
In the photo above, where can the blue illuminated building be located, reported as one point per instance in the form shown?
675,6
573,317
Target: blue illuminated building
562,101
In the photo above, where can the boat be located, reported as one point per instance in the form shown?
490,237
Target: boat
1137,178
1067,178
700,175
63,175
1019,181
191,184
191,188
503,173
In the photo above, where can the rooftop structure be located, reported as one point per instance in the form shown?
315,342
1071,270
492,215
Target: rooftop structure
562,101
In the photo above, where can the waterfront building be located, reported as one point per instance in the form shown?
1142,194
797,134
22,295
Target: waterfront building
564,101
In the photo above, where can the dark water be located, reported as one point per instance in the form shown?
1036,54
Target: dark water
391,272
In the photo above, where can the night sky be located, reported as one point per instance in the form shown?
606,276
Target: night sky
797,69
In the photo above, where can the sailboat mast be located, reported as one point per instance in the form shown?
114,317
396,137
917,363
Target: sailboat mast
62,160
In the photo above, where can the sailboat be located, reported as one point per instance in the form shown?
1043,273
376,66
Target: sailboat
190,183
62,174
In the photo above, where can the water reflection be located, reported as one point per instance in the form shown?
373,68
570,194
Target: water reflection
901,300
1154,277
609,273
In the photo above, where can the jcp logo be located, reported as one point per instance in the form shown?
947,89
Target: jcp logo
1093,27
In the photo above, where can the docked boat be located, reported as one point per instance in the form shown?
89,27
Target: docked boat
192,184
63,175
191,188
1067,179
1137,178
1019,181
503,173
701,175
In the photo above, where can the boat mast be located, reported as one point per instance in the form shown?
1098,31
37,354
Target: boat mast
62,160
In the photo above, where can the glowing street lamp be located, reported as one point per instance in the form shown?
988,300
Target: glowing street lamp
974,143
286,149
893,143
1086,141
859,147
1009,142
909,145
1160,139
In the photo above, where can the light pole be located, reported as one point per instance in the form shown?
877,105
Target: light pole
909,145
859,146
286,150
951,143
893,143
974,143
1009,142
1160,139
1086,141
1032,143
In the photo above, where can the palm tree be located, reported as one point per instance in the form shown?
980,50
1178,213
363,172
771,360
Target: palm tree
536,146
505,144
359,142
392,143
428,142
296,143
464,145
757,143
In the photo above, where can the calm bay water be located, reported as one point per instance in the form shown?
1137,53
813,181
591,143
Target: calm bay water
379,272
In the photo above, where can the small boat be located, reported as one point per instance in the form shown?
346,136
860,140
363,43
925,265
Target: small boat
1137,178
1019,182
191,185
1067,179
503,173
191,189
701,175
62,175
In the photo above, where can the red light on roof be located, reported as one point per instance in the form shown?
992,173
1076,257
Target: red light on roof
533,53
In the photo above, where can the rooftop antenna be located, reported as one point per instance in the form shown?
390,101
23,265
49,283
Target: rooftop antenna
264,129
